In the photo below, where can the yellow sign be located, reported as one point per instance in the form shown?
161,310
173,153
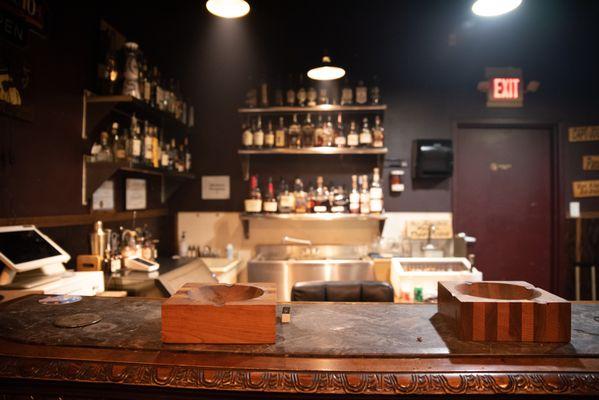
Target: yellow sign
419,229
590,163
583,133
586,188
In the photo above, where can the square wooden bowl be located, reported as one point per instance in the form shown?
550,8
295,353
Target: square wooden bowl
505,311
221,313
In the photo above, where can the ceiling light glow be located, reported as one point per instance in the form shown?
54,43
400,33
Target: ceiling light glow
228,8
326,72
493,8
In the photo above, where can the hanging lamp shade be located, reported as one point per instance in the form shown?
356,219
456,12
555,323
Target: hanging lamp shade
493,8
228,8
326,71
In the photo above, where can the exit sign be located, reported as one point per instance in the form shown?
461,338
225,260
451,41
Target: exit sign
505,87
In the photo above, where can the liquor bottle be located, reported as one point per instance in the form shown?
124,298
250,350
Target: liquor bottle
328,132
105,154
187,155
172,156
301,197
147,141
308,132
253,204
378,133
269,136
281,134
323,96
156,150
144,83
251,95
340,200
311,96
354,196
270,205
259,134
365,196
340,139
353,139
134,148
161,100
365,135
295,133
319,132
310,199
301,92
164,153
290,93
131,71
154,87
118,145
375,91
247,137
286,198
347,93
361,93
110,75
376,193
264,93
321,197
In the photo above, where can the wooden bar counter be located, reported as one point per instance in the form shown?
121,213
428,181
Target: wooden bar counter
328,349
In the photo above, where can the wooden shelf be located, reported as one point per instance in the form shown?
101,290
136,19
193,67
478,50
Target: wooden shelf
316,151
320,108
15,112
322,217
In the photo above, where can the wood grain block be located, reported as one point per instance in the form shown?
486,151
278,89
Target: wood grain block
220,313
505,311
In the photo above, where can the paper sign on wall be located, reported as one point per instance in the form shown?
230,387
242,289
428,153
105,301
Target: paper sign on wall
590,163
103,197
135,194
586,188
583,133
217,187
419,229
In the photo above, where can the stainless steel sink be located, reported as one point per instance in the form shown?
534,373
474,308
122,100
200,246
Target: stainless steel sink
287,264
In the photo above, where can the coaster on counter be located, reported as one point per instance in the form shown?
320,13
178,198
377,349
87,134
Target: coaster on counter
60,299
77,320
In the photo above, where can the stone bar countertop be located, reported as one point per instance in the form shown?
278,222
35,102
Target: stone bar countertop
328,348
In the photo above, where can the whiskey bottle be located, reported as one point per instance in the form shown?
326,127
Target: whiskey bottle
281,134
105,154
321,196
376,193
259,135
144,83
375,91
147,152
308,132
154,87
365,196
110,75
311,96
378,133
269,136
270,205
247,137
290,93
187,155
354,196
264,93
134,149
328,133
340,200
323,96
180,164
286,198
172,156
295,133
310,199
353,139
131,71
319,132
365,135
156,150
118,143
164,155
301,198
347,93
361,93
301,92
253,204
340,139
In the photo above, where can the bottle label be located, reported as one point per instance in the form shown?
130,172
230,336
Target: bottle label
136,148
247,138
340,141
397,187
290,97
352,140
270,206
301,96
337,209
287,201
187,161
148,147
147,91
120,154
378,143
164,159
361,95
347,96
253,205
376,193
280,138
376,205
269,139
320,209
259,138
365,138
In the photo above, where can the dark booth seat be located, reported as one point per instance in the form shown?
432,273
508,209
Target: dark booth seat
351,291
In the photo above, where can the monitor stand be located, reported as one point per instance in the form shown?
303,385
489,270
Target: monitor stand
10,279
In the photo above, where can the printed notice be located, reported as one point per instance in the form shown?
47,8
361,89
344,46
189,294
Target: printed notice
585,188
583,133
103,197
135,194
217,187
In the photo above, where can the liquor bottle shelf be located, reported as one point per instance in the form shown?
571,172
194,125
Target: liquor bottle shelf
320,108
96,173
316,151
247,217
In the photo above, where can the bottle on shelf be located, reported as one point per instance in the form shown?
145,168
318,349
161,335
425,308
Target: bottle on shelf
105,153
172,157
134,148
290,93
321,197
323,96
347,93
131,71
247,137
119,150
376,193
187,155
269,136
311,96
154,81
301,92
300,196
365,196
147,144
319,132
340,139
264,93
340,200
281,134
180,164
110,76
295,133
286,198
253,204
310,199
353,140
375,91
259,134
354,196
328,132
378,133
308,132
361,93
270,205
164,155
156,150
144,83
365,137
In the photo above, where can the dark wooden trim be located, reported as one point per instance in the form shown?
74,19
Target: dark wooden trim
83,219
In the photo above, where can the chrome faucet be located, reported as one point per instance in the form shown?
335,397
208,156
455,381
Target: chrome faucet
291,240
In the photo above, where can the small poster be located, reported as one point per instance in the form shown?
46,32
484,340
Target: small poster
216,187
103,197
583,134
135,194
590,163
585,188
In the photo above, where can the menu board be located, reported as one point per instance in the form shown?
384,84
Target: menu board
135,194
419,229
586,188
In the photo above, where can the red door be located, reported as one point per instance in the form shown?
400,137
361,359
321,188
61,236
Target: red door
503,197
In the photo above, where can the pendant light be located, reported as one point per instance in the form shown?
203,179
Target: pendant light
326,71
493,8
228,8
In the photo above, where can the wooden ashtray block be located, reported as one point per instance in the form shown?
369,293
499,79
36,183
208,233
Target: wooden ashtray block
505,311
220,313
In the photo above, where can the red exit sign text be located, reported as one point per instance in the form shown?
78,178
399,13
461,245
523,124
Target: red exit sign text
505,88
